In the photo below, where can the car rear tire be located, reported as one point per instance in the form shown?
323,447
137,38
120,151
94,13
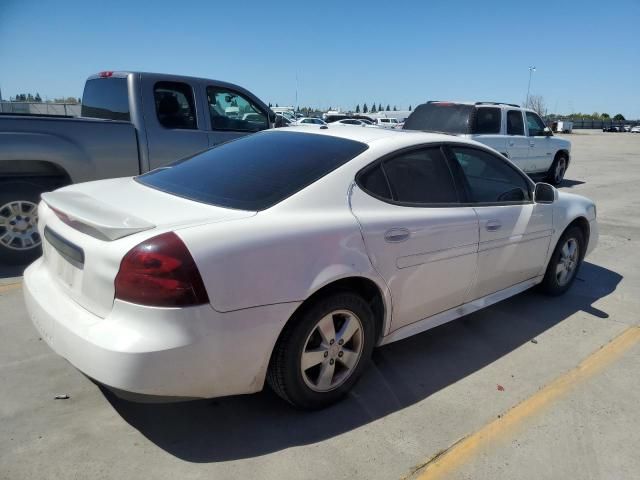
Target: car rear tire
565,262
20,242
556,173
322,351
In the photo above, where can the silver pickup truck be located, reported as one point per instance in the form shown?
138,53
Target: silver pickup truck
131,123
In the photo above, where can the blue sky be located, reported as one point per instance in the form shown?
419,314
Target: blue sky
343,52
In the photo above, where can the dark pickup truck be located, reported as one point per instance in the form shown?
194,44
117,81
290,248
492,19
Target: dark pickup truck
131,123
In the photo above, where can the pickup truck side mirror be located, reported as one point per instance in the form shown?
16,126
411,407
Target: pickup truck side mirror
545,193
547,132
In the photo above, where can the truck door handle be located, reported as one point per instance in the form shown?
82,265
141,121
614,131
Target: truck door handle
394,235
511,143
532,143
493,225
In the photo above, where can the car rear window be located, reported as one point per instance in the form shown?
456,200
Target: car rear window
106,98
254,172
440,117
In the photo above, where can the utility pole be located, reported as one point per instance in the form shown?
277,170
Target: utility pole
531,70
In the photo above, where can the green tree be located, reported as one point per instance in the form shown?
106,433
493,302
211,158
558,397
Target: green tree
619,117
380,109
605,116
365,109
409,107
358,108
388,108
373,108
38,98
395,109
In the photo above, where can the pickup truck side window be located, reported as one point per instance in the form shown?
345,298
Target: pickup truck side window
487,120
515,124
535,124
175,106
231,111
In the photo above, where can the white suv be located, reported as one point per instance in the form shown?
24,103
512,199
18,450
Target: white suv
517,133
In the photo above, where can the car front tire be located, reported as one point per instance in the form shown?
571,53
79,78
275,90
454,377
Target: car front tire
322,351
565,262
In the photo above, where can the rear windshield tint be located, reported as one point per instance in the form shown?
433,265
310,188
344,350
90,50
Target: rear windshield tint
106,98
254,172
440,117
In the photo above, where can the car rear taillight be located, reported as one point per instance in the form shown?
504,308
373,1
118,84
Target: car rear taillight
160,272
106,74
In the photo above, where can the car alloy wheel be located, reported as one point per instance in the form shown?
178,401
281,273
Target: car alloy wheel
561,168
332,351
568,261
19,225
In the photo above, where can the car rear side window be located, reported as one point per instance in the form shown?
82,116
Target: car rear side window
515,124
106,98
417,177
487,120
254,172
175,106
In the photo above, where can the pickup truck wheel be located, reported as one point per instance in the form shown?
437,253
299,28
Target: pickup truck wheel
555,175
20,242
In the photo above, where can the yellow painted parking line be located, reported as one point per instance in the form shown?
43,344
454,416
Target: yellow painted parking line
442,464
10,286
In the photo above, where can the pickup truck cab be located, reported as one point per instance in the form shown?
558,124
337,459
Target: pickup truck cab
131,122
517,133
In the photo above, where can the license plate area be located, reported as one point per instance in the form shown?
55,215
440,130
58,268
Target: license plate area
67,250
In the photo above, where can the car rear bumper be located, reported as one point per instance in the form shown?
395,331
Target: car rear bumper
173,352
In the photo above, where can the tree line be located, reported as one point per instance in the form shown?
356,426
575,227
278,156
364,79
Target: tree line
28,97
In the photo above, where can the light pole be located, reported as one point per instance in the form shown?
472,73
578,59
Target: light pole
531,70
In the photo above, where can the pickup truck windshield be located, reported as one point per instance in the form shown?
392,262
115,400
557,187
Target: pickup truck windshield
254,172
106,98
440,117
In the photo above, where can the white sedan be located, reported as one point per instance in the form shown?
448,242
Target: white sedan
288,255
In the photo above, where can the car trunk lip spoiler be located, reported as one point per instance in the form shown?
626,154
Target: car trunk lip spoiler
90,216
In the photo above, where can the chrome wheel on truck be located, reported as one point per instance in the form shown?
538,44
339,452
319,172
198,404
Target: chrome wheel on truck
19,225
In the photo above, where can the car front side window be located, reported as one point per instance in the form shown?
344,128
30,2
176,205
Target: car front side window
230,110
490,179
535,124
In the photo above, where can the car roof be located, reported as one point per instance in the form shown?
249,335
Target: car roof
372,135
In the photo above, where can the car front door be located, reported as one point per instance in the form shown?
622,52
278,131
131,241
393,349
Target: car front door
417,235
540,148
517,141
514,231
232,114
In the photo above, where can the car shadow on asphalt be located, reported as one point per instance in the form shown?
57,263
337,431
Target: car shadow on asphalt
11,271
401,374
570,183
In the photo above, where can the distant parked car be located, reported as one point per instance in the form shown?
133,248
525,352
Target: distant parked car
387,122
612,128
354,121
518,133
635,129
627,128
310,121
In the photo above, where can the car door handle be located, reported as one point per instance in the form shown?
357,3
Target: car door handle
493,225
511,143
394,235
532,143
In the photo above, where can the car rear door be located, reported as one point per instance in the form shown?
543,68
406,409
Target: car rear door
540,145
517,141
486,127
515,232
417,235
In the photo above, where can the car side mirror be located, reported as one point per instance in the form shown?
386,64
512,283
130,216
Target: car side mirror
547,132
545,193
